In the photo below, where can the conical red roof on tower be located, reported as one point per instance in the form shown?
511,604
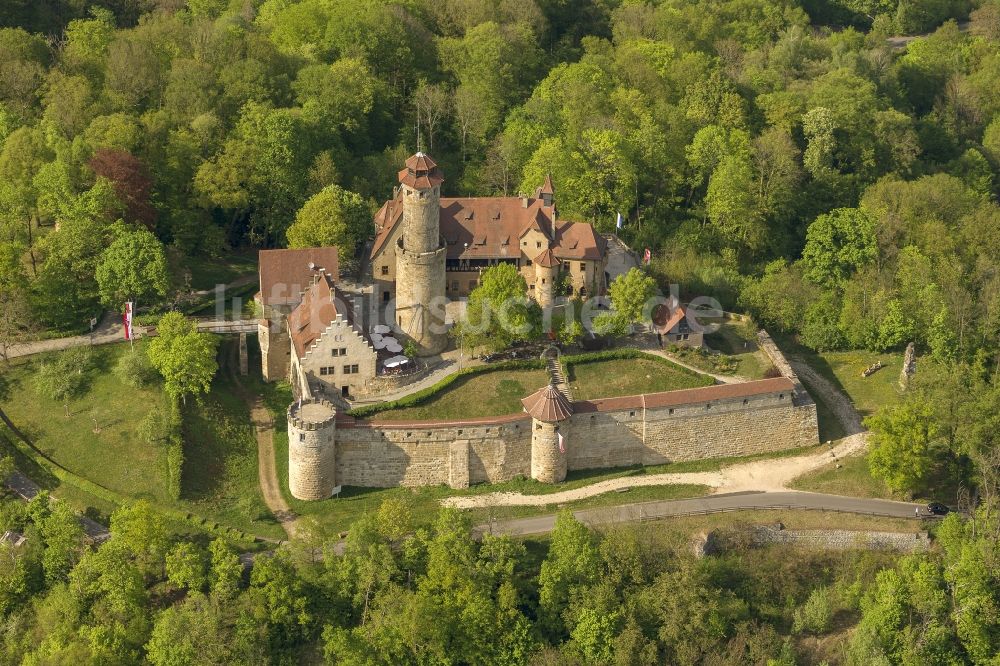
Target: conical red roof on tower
548,404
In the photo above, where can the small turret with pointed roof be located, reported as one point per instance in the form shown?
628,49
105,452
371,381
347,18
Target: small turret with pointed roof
547,192
548,404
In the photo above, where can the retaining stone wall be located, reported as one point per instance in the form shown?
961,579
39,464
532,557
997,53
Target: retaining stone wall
904,542
737,427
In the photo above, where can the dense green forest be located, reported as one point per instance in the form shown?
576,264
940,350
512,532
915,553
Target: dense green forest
792,158
437,596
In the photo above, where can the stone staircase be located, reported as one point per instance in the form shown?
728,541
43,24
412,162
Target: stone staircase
558,379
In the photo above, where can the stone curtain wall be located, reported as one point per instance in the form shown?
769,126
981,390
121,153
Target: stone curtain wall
423,454
600,434
711,429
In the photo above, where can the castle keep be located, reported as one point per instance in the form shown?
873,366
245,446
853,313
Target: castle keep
424,242
420,256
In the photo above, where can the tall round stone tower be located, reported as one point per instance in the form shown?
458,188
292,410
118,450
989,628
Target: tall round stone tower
312,449
546,273
420,257
549,410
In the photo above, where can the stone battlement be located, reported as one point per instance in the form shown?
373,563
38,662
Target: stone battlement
314,414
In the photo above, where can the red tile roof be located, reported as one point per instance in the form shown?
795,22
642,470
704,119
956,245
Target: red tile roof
285,274
548,404
665,319
347,421
491,227
686,396
421,172
314,315
547,187
547,259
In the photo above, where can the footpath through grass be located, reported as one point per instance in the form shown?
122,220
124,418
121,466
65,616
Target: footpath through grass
499,392
739,355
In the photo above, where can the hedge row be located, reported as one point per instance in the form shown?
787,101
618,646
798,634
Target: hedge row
175,451
110,496
423,395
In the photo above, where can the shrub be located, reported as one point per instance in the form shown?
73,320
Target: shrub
134,369
814,616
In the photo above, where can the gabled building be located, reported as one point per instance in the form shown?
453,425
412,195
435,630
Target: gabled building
478,232
330,353
285,275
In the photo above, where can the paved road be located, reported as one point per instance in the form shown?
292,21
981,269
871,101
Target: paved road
710,504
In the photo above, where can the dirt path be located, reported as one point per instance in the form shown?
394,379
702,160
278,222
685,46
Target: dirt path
263,426
769,475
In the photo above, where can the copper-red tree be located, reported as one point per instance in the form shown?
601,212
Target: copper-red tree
131,181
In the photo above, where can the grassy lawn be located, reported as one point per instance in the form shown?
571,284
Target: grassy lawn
220,469
843,370
630,376
206,272
485,394
867,393
734,342
852,478
99,442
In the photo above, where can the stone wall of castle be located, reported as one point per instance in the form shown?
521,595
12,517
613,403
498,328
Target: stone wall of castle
713,428
712,422
425,454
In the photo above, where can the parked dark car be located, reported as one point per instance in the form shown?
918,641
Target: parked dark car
938,509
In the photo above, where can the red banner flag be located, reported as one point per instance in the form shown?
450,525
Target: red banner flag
127,320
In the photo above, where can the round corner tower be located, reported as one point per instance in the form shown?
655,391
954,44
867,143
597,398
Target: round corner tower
420,257
550,410
312,449
546,274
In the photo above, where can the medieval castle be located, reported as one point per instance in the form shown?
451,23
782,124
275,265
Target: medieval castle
429,249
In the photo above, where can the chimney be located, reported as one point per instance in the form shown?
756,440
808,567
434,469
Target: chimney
524,202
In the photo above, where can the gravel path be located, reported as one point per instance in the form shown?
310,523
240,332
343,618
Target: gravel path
267,475
768,475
